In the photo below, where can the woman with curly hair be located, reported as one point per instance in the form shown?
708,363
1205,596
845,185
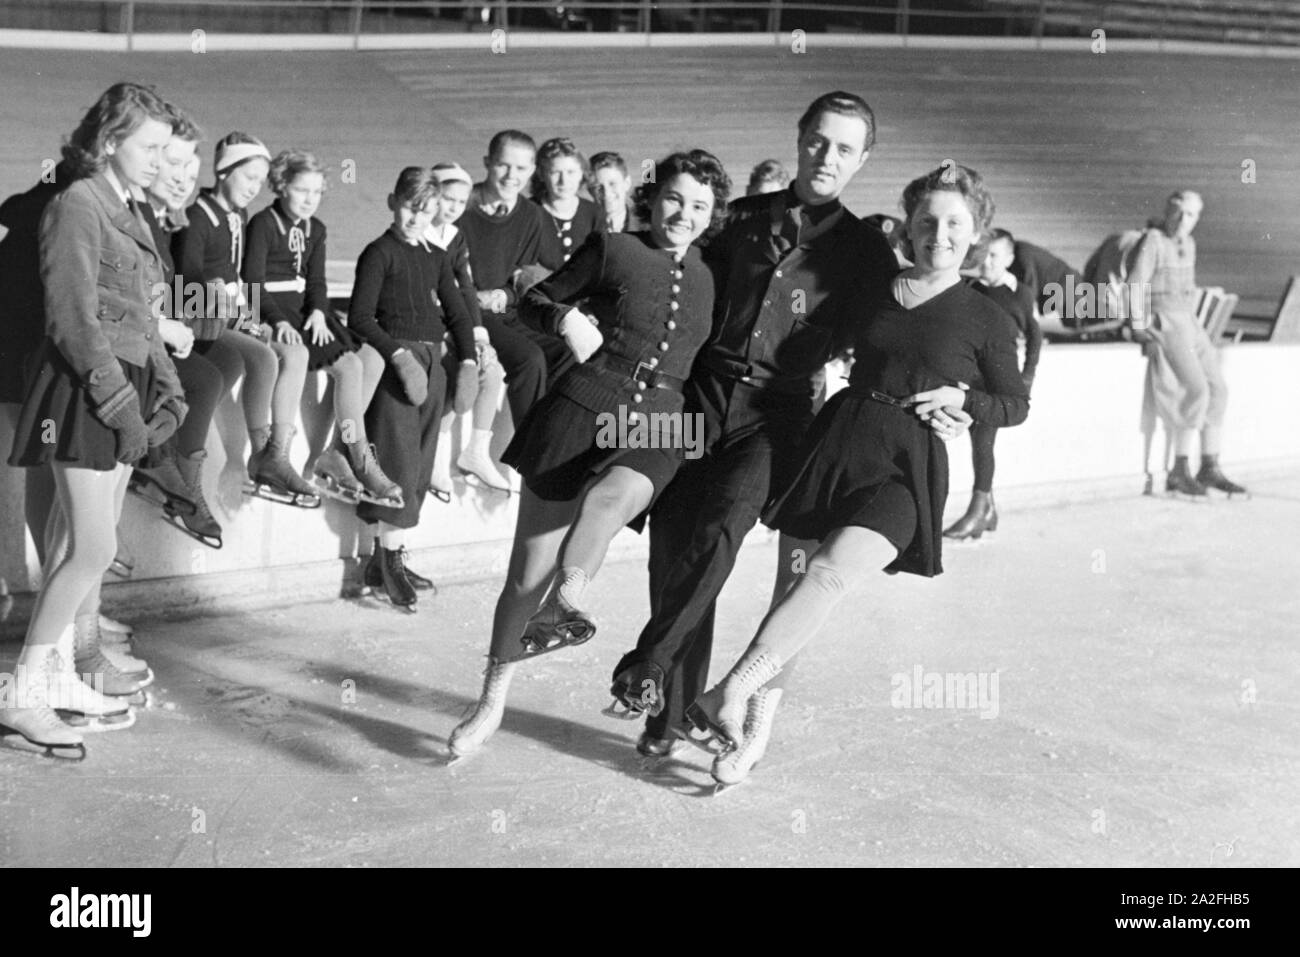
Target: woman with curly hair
103,392
599,447
567,217
874,478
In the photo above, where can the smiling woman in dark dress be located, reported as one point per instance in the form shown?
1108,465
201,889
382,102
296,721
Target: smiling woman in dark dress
650,299
875,476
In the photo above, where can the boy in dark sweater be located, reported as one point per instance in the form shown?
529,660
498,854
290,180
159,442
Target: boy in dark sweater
393,308
504,234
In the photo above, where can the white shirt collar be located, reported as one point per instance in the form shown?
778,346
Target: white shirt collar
441,238
122,193
1008,279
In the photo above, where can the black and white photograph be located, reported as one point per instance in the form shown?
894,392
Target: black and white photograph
644,435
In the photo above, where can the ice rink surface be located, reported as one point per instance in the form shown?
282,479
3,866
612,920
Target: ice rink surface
1143,713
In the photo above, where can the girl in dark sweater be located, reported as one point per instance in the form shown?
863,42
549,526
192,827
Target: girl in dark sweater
875,477
286,260
404,290
568,218
604,442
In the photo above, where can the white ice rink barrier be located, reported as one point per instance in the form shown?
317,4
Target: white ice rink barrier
1082,441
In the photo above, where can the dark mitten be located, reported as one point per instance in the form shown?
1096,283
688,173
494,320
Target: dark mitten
415,381
163,424
466,387
121,413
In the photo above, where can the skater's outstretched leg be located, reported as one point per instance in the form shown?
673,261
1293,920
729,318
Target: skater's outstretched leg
540,529
844,557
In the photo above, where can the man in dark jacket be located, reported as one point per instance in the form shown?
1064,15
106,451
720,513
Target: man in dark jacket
789,269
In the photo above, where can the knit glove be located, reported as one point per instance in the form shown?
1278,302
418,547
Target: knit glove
466,387
580,334
415,381
121,413
162,425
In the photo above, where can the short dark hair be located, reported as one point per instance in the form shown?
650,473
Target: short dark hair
119,112
416,185
846,104
768,171
998,233
508,137
608,158
699,164
183,125
951,178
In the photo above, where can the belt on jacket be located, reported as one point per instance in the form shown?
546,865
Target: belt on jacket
640,371
286,285
884,398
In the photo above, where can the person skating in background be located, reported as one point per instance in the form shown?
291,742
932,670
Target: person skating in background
210,250
997,283
1184,373
651,299
404,299
874,473
285,259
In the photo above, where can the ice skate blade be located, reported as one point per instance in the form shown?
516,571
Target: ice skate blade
137,698
98,724
1189,499
271,494
144,485
58,752
627,713
441,494
711,743
176,522
565,635
474,480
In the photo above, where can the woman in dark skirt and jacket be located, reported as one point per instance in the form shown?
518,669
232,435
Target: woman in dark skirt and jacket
603,443
103,390
875,477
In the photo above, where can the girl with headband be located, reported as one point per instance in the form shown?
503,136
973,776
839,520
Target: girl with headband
455,185
210,251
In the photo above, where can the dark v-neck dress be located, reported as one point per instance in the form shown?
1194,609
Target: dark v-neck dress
872,464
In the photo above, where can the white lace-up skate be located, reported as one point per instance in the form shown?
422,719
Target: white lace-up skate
734,766
472,733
